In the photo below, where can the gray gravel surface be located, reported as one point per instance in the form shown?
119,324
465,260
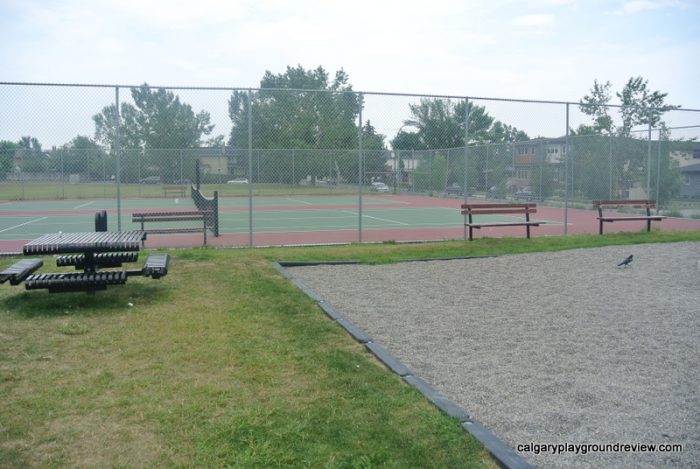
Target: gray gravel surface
547,348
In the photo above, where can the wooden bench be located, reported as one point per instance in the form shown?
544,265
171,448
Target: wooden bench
175,190
159,217
612,204
469,210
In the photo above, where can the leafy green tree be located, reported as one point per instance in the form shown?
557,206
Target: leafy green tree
81,155
7,157
32,157
373,150
431,174
641,106
130,135
593,157
299,109
440,124
596,104
407,141
157,120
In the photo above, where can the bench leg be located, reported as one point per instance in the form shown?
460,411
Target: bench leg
527,228
648,226
600,227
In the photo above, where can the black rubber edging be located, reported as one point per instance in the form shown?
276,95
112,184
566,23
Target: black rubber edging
501,452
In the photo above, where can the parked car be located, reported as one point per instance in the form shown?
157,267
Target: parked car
150,180
380,187
238,181
454,189
524,194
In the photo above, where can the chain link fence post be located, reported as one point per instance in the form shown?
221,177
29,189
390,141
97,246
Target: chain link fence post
566,173
117,146
360,161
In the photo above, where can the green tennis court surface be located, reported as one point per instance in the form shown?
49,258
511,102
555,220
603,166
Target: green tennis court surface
28,220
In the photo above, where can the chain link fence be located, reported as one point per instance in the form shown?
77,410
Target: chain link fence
122,142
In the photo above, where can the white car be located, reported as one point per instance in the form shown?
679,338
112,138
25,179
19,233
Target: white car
238,181
380,187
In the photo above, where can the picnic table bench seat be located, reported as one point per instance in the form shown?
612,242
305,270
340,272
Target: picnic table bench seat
75,281
102,259
156,265
20,270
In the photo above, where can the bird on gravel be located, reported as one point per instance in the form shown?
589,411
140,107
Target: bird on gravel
627,261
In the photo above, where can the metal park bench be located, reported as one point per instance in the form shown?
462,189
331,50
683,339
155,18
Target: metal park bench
468,210
642,204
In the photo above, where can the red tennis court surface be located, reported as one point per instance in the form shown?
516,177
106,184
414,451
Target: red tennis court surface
303,220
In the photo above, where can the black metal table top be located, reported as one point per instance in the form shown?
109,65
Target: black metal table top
101,241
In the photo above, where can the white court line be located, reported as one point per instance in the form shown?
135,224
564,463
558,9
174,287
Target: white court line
84,205
376,218
302,201
22,224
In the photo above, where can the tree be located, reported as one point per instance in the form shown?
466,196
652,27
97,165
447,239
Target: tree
81,156
641,106
32,158
7,156
439,124
157,120
374,151
625,156
407,141
130,135
300,109
596,105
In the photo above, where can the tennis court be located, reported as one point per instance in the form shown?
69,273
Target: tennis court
321,218
297,219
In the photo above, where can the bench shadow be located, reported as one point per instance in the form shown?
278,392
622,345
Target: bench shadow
114,300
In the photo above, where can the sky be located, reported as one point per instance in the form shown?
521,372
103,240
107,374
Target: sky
528,49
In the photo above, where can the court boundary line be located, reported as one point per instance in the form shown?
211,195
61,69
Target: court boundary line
22,224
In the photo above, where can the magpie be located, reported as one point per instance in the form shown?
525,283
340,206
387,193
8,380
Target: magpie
627,261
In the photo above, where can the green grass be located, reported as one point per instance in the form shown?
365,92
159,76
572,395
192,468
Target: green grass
388,252
223,363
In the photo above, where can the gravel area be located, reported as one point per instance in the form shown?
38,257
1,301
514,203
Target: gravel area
547,348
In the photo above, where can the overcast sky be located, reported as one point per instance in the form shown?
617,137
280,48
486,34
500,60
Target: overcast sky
530,49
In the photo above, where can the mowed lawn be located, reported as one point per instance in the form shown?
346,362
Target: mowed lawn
222,363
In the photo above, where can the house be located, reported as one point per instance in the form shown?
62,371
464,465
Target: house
687,157
690,177
528,155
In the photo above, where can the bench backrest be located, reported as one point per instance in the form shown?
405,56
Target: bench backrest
495,209
632,203
175,216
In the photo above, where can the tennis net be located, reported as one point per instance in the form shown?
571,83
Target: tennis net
208,205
